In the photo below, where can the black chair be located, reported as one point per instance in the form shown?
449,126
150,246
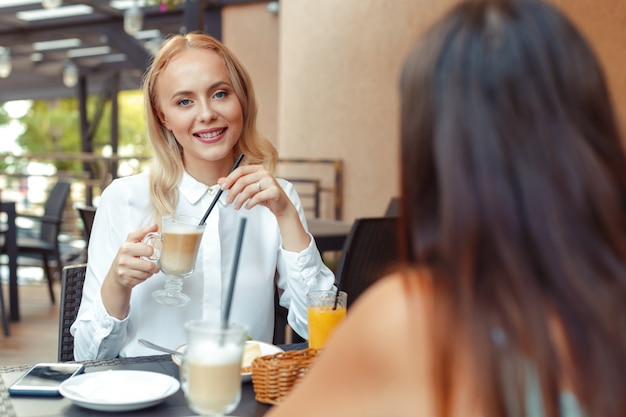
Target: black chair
87,214
371,248
45,244
73,278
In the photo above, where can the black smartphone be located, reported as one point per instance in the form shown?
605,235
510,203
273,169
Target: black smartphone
44,379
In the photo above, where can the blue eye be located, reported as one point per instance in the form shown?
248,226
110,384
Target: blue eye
220,94
184,102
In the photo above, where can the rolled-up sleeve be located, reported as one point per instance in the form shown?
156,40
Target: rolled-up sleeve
97,335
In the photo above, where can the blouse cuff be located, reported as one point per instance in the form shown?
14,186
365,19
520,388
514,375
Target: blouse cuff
307,263
109,325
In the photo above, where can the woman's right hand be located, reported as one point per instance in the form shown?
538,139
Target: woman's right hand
128,268
127,271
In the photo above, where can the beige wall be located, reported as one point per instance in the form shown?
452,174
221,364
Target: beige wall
339,63
326,74
252,34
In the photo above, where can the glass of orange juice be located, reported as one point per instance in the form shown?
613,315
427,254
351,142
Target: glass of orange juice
324,315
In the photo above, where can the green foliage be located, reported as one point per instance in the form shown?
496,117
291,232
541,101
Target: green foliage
132,129
51,127
5,119
4,116
54,127
166,4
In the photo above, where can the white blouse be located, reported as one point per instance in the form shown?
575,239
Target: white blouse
125,206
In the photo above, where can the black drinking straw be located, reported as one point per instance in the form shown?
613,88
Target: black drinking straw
339,273
336,298
233,273
219,193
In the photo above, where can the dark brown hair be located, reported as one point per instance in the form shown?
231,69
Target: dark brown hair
514,197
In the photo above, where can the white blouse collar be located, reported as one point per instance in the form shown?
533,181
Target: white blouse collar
193,190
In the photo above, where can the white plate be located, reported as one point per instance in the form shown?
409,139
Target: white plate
266,349
119,390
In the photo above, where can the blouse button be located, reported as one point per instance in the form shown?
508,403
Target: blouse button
211,191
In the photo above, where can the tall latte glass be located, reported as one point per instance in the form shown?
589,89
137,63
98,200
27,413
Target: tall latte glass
211,367
175,250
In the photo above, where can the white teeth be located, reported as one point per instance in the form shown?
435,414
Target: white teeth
211,134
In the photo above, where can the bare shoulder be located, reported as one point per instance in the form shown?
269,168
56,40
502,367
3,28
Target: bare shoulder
393,309
373,347
388,327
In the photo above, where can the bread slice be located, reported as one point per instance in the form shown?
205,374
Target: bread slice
250,353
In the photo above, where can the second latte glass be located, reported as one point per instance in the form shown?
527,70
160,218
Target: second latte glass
210,374
175,250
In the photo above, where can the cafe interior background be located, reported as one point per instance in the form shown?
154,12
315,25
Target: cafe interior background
325,74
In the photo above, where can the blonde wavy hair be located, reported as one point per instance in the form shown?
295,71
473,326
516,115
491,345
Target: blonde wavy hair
167,165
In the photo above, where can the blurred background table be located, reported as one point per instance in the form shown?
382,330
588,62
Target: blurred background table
329,235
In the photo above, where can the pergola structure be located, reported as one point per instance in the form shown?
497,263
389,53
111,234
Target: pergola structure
90,35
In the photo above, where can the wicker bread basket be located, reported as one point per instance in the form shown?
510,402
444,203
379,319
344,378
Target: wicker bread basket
273,376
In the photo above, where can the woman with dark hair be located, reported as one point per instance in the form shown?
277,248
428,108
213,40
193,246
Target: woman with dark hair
201,114
514,227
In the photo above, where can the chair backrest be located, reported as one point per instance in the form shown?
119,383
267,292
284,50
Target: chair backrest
73,278
370,249
53,209
87,214
393,207
310,193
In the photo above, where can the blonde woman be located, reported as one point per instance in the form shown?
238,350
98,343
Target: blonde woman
201,114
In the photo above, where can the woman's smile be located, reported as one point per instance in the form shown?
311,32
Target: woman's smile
211,135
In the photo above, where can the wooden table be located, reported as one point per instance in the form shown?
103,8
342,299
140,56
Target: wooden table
329,235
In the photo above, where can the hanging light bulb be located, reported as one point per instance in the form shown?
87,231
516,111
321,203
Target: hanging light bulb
70,74
51,4
5,62
133,20
273,7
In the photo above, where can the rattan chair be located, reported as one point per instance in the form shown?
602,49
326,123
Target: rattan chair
73,277
371,248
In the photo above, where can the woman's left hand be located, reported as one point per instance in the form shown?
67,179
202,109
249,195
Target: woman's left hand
254,185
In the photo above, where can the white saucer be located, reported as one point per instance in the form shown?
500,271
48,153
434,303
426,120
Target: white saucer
119,390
